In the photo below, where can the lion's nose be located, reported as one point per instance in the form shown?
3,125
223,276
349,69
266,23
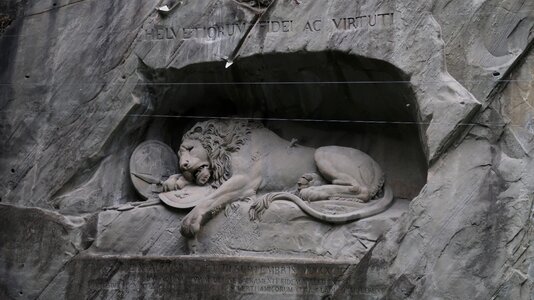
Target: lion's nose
184,165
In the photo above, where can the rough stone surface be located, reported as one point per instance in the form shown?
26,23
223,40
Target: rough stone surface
284,231
476,240
483,39
82,81
36,244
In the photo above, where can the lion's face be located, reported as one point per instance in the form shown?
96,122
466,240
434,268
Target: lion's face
194,162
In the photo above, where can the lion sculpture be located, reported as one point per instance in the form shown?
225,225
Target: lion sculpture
243,159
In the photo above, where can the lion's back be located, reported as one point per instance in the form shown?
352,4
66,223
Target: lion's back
280,164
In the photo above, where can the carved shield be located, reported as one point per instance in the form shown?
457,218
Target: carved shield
152,162
188,197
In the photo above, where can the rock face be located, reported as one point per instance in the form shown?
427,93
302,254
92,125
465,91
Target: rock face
235,235
36,244
439,93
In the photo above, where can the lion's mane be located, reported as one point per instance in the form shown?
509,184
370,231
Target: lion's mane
220,139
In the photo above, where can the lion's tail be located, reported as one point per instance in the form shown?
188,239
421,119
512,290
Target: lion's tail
380,205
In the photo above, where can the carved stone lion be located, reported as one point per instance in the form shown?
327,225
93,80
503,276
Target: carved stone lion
244,159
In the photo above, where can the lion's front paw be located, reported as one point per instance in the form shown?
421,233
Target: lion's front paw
170,184
192,222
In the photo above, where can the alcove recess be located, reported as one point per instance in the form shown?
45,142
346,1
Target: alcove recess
319,99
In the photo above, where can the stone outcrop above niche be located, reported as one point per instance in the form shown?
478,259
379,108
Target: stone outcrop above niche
384,31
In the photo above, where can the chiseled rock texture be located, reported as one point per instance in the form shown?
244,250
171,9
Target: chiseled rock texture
36,244
80,83
284,231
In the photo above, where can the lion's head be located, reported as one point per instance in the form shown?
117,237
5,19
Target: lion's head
219,139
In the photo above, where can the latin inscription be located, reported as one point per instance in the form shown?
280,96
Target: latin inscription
221,31
135,278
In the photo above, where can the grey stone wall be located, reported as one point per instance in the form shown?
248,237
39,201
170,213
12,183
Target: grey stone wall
80,84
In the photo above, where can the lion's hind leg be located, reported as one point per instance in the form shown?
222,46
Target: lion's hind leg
351,171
